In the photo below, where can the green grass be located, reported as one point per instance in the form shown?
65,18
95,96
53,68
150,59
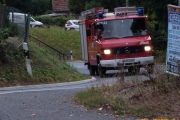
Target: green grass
90,98
60,39
46,65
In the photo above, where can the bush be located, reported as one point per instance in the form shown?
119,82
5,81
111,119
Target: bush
4,33
56,21
2,2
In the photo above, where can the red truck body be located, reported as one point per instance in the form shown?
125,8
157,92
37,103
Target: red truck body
118,39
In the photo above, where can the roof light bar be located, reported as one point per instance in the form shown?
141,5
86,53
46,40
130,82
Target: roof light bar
140,11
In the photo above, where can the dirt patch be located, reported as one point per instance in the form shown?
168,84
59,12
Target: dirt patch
14,41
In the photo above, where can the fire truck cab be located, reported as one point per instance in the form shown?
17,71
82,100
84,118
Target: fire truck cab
114,40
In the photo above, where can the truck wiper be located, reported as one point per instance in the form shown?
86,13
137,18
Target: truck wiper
110,37
132,36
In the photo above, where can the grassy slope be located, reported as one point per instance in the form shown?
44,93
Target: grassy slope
46,66
60,39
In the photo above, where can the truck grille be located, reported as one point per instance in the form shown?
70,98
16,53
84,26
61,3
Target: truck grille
127,50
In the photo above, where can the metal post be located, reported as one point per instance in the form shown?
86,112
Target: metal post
28,61
127,3
25,45
71,55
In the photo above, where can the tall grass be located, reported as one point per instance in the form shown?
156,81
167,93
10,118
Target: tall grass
157,96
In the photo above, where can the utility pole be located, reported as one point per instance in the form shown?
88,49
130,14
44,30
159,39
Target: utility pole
127,3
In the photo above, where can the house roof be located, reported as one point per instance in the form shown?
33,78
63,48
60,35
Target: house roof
60,5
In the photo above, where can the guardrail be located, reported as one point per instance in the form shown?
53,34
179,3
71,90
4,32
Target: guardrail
59,52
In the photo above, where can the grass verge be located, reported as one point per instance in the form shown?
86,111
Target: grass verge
158,96
46,67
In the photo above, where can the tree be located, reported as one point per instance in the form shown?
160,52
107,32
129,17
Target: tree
2,2
76,6
34,7
92,4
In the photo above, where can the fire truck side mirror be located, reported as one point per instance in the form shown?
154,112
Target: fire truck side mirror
99,34
88,32
99,26
156,27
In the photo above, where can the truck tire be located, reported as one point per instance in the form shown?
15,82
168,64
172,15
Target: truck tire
91,70
101,71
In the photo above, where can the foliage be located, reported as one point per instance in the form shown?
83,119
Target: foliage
92,4
4,33
34,7
57,21
13,29
76,6
2,2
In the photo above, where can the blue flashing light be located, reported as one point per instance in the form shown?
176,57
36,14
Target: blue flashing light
136,50
100,15
118,51
140,12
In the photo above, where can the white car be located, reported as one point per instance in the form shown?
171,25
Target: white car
19,18
72,25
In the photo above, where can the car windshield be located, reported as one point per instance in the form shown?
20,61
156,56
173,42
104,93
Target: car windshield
76,22
124,28
32,20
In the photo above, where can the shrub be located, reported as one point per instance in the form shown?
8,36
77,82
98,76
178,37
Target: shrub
56,21
2,2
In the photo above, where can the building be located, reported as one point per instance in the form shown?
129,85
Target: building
60,6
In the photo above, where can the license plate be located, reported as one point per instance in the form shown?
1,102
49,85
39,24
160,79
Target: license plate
128,60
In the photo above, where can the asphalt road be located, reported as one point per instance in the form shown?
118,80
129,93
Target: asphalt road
54,101
46,105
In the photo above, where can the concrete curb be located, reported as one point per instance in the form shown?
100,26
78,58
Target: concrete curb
47,85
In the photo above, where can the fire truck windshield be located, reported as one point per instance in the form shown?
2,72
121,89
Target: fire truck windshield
124,28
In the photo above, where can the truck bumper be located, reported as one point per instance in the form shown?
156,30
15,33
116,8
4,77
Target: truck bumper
140,61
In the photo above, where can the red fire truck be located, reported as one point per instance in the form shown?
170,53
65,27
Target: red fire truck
113,40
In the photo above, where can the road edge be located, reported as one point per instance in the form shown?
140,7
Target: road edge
48,85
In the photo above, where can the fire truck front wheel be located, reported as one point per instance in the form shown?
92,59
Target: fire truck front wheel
150,69
101,71
134,70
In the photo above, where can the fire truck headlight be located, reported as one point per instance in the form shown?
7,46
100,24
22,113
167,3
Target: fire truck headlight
147,48
107,51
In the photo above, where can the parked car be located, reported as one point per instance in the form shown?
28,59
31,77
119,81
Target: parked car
72,25
19,18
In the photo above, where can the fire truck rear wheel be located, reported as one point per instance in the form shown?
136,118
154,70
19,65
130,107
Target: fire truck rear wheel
101,71
91,70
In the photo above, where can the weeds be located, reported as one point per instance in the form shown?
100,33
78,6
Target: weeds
156,96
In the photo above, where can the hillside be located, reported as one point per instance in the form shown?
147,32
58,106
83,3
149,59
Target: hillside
46,67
